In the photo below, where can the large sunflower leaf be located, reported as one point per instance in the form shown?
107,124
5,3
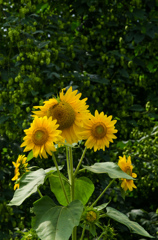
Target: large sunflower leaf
29,183
122,218
56,188
112,169
54,222
83,188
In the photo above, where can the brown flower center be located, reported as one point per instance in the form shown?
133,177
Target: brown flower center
64,114
99,130
40,136
128,170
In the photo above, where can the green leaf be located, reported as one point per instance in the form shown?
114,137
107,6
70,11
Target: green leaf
112,169
57,189
29,156
43,44
101,207
52,169
83,189
3,119
29,183
122,218
54,222
38,31
34,93
138,37
41,7
137,108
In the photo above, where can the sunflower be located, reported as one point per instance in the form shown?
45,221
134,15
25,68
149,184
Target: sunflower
20,168
127,167
41,136
69,111
99,131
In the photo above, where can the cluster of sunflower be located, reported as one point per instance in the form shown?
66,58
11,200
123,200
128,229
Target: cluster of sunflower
20,168
66,119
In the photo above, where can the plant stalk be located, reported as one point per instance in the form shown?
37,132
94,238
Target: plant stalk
79,164
61,181
72,186
102,193
68,161
39,192
83,231
100,236
71,174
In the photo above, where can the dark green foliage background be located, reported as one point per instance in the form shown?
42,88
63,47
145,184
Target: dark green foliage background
107,50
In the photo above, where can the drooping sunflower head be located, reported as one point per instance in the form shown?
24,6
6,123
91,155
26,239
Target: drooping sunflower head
20,168
126,166
99,131
41,136
69,111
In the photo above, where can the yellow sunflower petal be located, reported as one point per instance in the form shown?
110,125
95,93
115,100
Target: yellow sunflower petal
69,112
20,168
16,186
99,131
43,132
126,166
134,175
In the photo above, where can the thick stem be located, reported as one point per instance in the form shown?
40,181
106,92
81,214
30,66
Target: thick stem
61,181
68,162
71,174
79,164
102,193
72,188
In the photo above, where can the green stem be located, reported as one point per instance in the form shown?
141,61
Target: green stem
68,162
72,186
71,174
79,164
102,193
83,231
39,192
61,182
74,233
100,236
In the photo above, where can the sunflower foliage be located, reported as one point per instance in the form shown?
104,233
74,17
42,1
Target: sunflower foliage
64,122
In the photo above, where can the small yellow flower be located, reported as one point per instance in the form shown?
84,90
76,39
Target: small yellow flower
127,167
99,131
41,136
69,111
20,168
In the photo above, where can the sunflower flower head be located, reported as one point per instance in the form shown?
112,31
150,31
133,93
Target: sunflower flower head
126,166
41,136
90,215
20,168
99,131
69,111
